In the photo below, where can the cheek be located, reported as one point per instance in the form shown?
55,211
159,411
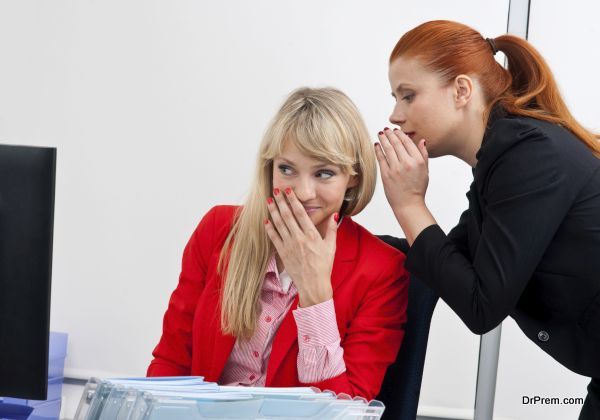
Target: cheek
279,181
425,111
431,118
334,195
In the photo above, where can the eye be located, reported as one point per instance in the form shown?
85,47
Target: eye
408,98
325,174
286,170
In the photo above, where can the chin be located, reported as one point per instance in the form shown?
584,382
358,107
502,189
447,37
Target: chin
434,153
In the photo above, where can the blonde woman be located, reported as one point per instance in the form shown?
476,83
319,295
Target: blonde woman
287,290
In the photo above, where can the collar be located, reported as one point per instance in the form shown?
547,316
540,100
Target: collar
496,113
347,239
275,281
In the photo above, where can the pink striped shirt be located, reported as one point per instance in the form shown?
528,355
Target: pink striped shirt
320,355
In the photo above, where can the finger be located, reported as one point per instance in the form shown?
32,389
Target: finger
274,236
390,153
383,163
409,145
286,213
332,227
278,222
424,152
299,211
398,144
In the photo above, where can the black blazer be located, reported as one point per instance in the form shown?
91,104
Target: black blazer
529,244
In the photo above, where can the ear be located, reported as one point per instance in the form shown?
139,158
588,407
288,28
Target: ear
463,90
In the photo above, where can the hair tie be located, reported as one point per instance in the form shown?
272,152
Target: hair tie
492,45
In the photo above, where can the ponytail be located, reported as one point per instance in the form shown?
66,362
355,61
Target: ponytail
533,91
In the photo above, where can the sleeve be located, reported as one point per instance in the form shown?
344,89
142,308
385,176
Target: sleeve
320,355
173,354
458,234
374,335
525,203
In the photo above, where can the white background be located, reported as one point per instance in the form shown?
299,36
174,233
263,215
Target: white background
157,109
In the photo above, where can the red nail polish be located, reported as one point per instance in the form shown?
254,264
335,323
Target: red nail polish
380,133
288,191
269,200
266,221
336,217
425,143
395,129
385,129
276,191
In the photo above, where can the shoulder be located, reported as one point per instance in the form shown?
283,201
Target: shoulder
216,223
511,134
373,252
522,146
223,213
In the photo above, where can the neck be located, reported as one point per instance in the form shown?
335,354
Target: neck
471,138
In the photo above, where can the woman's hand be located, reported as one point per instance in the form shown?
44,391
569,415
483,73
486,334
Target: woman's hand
404,168
307,257
405,174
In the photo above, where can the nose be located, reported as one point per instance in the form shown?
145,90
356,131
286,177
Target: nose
305,189
397,117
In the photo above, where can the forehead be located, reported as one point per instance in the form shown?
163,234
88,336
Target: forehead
410,73
292,154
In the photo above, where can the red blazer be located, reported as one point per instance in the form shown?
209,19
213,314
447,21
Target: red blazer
370,292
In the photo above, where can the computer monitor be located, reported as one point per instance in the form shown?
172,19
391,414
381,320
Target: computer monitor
27,178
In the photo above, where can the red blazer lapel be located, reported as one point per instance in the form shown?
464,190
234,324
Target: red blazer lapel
346,252
216,347
222,349
282,342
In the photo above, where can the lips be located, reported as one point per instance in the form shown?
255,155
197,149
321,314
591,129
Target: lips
410,134
310,209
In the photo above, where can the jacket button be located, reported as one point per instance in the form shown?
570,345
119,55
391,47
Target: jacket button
543,336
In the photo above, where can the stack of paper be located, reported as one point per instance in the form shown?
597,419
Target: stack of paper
187,397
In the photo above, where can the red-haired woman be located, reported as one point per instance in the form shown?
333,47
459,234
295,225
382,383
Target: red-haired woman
528,246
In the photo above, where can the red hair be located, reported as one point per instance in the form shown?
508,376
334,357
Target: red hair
527,87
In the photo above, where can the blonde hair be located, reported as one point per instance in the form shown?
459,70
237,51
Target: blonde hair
323,124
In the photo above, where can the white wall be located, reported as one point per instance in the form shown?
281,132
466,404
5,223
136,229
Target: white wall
157,108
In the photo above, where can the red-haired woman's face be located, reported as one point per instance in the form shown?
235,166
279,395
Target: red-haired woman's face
425,106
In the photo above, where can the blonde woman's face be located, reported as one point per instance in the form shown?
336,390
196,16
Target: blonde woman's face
320,186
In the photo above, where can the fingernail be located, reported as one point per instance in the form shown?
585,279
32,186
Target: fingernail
276,191
395,129
336,217
425,143
386,129
266,221
269,200
380,133
288,191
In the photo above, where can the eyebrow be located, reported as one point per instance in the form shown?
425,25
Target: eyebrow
321,165
401,87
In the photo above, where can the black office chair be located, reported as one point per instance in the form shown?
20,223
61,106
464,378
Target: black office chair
402,382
